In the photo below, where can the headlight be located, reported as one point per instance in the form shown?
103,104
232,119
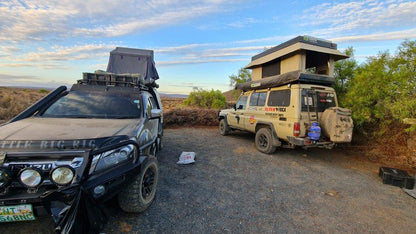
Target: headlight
62,175
4,179
112,158
30,177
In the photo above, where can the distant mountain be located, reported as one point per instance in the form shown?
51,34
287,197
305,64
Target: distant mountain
29,87
173,95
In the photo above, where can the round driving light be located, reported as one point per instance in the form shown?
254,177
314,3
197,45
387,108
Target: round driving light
4,179
100,189
62,175
30,177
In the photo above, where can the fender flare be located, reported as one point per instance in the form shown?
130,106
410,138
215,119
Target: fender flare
276,141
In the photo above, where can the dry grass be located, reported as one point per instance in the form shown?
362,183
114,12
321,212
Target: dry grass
389,150
176,114
15,100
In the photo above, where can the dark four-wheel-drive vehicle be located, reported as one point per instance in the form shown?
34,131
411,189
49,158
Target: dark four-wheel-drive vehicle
75,149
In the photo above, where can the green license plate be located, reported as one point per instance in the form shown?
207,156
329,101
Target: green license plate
16,213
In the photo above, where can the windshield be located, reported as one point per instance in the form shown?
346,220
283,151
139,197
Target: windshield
104,105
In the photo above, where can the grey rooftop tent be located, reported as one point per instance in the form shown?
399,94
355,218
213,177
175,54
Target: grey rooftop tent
133,61
286,78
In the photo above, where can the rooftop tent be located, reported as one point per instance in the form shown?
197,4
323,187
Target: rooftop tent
133,61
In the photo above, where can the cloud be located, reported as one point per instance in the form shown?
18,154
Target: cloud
200,61
386,36
28,81
44,66
360,15
61,53
56,57
38,20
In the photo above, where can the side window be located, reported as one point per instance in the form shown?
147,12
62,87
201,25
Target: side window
258,99
153,102
262,99
241,103
149,107
279,98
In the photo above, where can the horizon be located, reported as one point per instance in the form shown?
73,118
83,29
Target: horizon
196,43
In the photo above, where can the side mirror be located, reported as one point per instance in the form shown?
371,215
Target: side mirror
235,107
155,113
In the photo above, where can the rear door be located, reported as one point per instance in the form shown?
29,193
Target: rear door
314,101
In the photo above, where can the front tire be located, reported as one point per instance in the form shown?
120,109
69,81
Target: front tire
224,128
264,141
139,195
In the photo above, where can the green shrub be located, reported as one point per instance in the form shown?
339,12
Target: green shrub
383,89
206,99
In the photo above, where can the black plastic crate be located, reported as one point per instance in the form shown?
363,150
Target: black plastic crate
396,177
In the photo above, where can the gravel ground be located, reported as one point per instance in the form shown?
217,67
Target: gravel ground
232,188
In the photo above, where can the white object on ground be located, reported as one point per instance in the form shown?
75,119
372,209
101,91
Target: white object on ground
186,158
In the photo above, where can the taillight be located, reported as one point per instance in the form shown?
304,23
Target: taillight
296,129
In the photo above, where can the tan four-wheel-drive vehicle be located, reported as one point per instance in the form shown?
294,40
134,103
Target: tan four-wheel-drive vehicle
294,109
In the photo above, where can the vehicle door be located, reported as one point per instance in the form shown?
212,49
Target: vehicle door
151,125
155,122
236,117
255,110
279,110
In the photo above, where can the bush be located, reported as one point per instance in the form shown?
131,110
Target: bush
206,99
383,90
43,91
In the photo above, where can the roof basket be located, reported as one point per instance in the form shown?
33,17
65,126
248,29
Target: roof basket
110,79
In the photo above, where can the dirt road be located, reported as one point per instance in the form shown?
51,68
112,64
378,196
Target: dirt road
232,188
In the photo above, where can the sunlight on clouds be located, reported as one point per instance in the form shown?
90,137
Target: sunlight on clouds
42,19
360,15
61,53
398,35
184,62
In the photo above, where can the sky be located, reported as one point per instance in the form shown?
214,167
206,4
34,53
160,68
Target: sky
197,43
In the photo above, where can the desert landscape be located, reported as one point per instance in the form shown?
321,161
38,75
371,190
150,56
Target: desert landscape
396,149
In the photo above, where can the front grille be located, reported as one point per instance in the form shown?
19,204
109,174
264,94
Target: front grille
14,163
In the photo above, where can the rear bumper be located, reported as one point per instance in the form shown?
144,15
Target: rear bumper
307,143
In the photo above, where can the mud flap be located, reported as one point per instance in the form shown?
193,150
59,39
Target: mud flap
84,216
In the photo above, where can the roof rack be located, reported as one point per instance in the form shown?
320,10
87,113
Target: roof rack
110,79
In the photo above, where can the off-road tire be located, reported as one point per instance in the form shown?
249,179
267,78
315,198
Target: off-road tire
159,145
264,141
224,128
139,195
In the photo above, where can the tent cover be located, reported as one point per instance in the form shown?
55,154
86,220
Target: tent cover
286,78
133,61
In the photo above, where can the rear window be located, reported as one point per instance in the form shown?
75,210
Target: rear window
279,98
323,100
258,99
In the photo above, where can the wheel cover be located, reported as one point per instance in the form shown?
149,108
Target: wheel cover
263,141
222,127
148,183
